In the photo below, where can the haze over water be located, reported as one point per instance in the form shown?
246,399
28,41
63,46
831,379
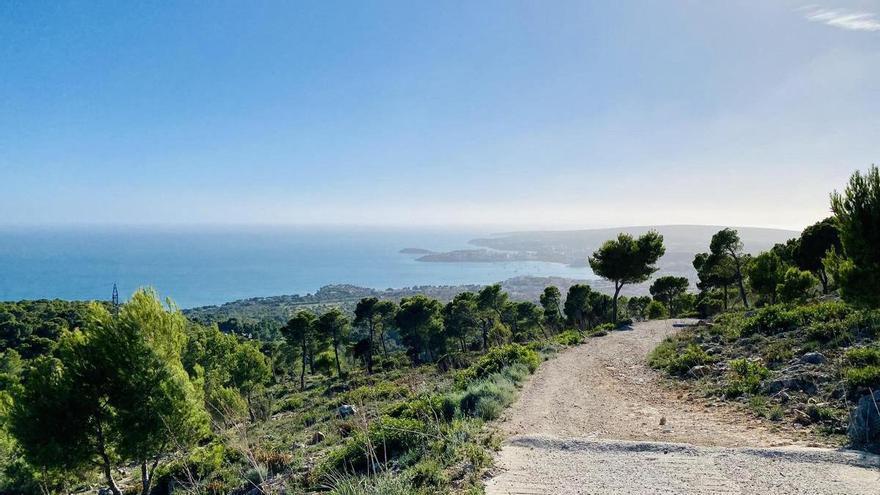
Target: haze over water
205,266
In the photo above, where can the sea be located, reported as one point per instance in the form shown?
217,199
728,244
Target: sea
198,266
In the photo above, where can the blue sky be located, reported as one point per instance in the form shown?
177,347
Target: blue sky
528,114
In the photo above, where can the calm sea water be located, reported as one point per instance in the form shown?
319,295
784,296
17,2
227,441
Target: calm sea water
212,265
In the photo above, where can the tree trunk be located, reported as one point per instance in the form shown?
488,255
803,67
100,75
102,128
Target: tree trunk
370,348
302,373
742,286
250,408
486,335
382,338
823,278
461,341
336,355
617,288
106,466
724,290
147,475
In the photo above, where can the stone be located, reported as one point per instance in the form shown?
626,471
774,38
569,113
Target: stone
346,410
662,420
864,422
799,383
813,358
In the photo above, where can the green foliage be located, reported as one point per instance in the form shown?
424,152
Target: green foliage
637,306
814,244
796,286
117,387
551,305
726,249
569,337
744,377
33,327
420,321
496,360
656,310
667,289
626,260
488,397
772,319
766,271
857,215
385,439
675,360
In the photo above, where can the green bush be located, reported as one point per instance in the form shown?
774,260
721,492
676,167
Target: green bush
863,377
863,356
569,337
771,320
670,357
427,473
384,484
496,360
656,310
426,407
487,398
378,392
745,377
779,351
602,330
387,438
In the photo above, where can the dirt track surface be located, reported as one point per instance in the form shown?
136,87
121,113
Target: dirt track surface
597,420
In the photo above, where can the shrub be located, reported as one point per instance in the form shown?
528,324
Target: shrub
487,398
778,351
832,332
668,356
496,360
427,473
384,484
602,330
771,320
863,356
388,438
745,377
656,310
378,392
427,407
291,403
569,337
863,377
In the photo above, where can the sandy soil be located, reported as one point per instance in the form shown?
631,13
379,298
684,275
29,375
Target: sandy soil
596,419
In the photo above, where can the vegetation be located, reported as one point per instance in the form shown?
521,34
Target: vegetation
797,357
627,260
142,398
857,217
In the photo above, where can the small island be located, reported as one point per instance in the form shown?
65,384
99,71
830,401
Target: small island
412,250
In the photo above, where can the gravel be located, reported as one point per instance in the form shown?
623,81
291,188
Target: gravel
597,420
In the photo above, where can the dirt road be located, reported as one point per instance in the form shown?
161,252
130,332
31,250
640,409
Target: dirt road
597,420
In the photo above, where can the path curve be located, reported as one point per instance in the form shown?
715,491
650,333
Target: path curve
597,420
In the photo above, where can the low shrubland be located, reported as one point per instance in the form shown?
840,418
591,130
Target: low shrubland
806,365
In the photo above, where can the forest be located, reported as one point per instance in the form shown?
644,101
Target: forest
393,395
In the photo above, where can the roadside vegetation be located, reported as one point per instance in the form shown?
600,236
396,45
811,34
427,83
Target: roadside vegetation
798,341
391,397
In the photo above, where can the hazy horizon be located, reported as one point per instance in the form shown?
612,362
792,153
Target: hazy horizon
512,115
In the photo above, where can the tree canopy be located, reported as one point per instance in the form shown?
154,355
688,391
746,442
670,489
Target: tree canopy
667,289
627,260
857,216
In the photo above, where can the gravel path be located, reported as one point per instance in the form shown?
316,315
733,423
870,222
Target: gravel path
597,420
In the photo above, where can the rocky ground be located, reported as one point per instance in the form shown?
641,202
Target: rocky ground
597,419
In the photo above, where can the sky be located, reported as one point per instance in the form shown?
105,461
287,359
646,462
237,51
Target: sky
424,113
